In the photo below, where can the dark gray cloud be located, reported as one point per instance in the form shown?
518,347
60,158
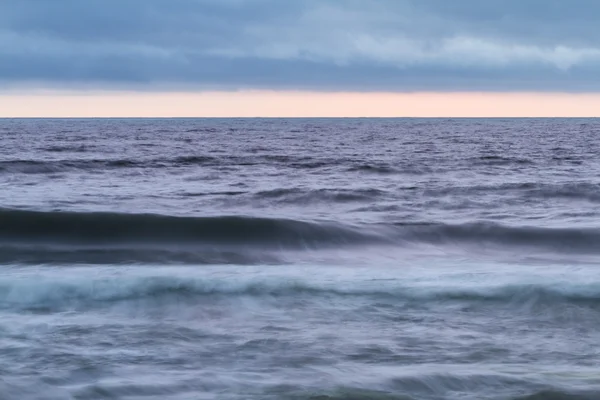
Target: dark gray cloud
392,45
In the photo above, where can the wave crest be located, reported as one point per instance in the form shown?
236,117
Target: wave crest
105,228
19,293
35,235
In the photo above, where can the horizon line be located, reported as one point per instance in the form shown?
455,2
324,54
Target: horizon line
309,117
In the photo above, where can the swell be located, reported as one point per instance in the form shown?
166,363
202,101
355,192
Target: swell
568,190
121,255
26,227
35,237
447,386
585,240
494,160
349,164
302,196
523,191
28,166
558,394
69,290
153,232
56,166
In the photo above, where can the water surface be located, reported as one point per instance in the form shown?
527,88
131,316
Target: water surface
299,259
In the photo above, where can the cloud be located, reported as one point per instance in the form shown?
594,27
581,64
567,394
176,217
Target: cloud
392,45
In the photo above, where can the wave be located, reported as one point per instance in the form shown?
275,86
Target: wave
121,255
35,237
302,196
557,394
578,191
374,168
27,166
354,164
57,166
66,149
40,292
20,226
533,190
440,387
141,237
581,240
493,160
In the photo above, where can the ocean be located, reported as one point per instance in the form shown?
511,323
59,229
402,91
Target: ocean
299,259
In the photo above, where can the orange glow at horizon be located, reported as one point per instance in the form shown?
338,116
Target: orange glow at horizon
297,104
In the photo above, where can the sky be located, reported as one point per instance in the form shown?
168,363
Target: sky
299,58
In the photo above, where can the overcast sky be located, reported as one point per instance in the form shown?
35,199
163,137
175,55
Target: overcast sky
317,45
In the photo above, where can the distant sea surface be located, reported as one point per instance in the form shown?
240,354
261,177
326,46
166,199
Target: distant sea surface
432,259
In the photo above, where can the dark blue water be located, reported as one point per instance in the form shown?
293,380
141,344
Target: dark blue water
300,259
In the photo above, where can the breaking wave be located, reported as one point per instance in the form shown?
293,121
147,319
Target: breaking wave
73,291
37,237
17,226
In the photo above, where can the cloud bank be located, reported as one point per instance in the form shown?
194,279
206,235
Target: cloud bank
324,45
